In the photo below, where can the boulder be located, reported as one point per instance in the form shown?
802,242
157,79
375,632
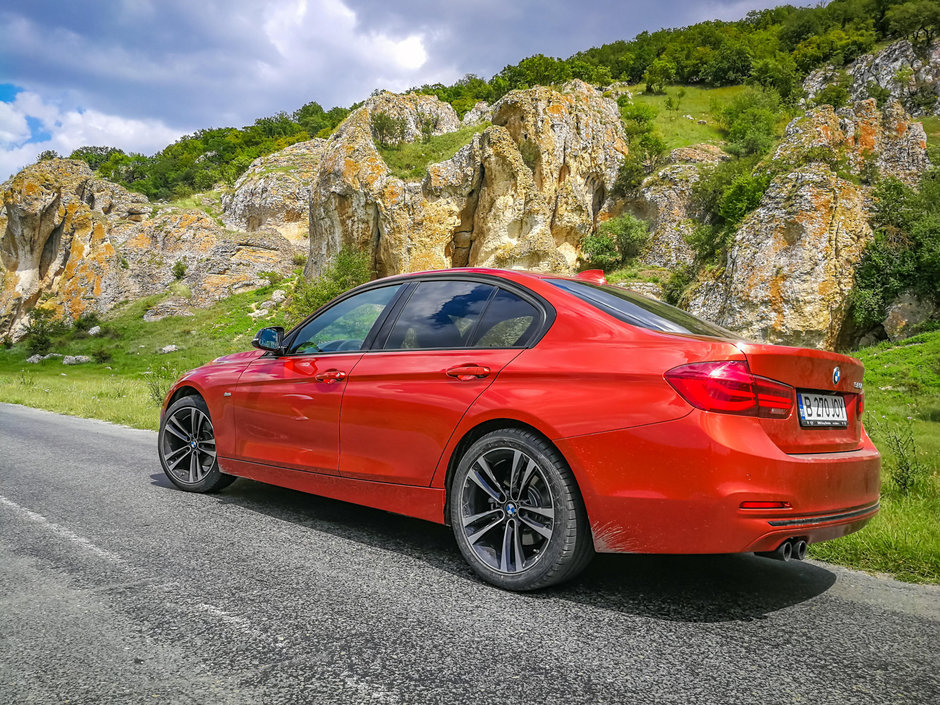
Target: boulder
75,359
479,113
906,314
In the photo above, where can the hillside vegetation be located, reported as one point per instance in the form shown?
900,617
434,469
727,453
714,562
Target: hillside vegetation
773,48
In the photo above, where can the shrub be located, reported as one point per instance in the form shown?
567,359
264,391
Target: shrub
159,382
630,175
86,321
601,250
616,241
350,268
387,130
43,326
101,355
299,259
749,120
878,92
905,472
179,269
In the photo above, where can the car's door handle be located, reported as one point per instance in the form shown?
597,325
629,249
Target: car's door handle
330,376
467,372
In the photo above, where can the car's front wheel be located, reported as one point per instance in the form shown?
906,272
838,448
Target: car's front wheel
187,447
516,512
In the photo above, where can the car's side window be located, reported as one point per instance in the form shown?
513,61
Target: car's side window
346,325
509,321
439,314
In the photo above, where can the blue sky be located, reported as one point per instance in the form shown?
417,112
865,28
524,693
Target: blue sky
138,74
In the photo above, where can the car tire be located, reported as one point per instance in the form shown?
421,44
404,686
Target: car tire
517,513
187,447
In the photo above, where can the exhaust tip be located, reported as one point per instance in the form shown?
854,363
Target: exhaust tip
799,549
783,552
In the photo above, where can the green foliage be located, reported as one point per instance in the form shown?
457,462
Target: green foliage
779,73
919,20
409,160
350,268
646,146
299,259
905,252
659,73
48,154
679,281
43,326
179,269
616,241
388,131
94,157
905,471
836,93
836,46
86,321
750,120
101,355
881,95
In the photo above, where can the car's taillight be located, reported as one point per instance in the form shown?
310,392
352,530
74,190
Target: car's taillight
730,388
860,405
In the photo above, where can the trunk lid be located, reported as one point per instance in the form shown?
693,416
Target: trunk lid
808,370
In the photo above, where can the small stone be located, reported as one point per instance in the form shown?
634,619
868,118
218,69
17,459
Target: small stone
688,117
257,314
94,330
168,349
51,355
266,305
278,296
34,359
75,359
701,122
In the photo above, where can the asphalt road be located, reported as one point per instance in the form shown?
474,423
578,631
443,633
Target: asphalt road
117,588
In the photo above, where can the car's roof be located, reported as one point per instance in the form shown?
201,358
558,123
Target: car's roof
511,274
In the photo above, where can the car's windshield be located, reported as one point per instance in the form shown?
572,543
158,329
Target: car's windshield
640,311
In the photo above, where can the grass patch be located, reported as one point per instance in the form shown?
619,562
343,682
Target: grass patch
636,272
409,160
932,128
124,385
677,130
209,202
902,394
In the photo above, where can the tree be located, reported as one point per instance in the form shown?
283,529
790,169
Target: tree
94,157
47,154
388,130
659,73
919,20
750,120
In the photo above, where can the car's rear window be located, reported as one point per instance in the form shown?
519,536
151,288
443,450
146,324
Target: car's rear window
640,311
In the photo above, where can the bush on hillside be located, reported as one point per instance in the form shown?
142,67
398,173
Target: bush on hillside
749,120
616,241
350,268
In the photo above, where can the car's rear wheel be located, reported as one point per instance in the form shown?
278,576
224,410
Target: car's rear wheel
516,512
187,447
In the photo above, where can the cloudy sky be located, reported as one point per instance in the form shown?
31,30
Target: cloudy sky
138,74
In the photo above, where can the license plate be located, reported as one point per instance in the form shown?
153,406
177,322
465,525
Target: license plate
822,410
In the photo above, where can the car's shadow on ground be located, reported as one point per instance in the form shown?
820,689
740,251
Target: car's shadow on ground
696,588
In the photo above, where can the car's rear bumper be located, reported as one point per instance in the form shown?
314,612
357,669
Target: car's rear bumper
677,487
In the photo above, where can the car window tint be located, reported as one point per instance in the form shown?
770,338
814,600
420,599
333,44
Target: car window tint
509,321
439,314
346,325
640,311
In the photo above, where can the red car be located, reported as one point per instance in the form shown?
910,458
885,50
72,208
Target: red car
542,417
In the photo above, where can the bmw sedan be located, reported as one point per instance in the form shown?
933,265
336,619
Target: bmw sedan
544,418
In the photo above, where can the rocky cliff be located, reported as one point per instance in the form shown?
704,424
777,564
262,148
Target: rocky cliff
919,67
790,269
85,244
523,193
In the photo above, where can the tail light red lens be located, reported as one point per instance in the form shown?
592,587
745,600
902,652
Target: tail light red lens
860,405
729,388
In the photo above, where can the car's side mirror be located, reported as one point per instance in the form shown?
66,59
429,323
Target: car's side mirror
270,339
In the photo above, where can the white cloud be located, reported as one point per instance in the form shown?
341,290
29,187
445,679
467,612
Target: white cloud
71,129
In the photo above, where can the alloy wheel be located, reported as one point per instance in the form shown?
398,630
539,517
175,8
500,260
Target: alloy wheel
188,446
507,510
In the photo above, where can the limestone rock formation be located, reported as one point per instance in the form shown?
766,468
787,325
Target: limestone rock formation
86,244
275,191
881,68
480,112
522,194
791,266
907,314
665,202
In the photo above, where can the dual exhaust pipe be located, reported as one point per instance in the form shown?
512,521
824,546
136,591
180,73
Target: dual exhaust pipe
791,549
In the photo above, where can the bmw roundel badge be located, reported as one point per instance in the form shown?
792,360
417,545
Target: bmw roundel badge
836,375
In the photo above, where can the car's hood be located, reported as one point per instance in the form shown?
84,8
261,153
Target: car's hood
239,357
